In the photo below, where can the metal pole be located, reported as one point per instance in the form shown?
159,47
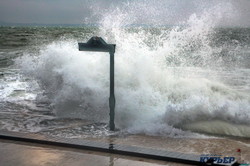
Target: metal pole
99,45
112,92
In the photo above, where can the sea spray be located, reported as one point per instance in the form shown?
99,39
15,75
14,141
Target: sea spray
163,76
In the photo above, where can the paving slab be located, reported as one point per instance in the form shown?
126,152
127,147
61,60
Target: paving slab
134,151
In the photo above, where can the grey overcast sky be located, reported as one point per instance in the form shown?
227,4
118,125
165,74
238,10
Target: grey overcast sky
78,11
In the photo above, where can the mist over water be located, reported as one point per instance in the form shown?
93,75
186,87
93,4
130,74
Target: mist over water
167,79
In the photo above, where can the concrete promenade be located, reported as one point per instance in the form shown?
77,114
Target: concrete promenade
30,154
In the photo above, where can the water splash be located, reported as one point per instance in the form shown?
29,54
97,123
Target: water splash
162,75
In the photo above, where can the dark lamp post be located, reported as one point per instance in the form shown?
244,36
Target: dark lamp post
97,44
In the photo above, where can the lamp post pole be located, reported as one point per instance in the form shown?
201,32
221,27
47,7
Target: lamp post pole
112,92
97,44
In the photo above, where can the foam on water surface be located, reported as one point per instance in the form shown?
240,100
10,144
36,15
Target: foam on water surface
166,79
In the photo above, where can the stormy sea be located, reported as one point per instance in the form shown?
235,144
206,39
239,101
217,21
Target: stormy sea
181,83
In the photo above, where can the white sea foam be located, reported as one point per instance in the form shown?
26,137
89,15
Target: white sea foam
13,88
155,91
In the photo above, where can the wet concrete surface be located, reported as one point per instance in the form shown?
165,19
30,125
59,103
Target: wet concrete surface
29,154
19,153
224,146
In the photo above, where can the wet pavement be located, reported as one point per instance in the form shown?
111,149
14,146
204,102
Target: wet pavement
30,154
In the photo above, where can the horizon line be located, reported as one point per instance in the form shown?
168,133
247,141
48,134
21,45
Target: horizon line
2,23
